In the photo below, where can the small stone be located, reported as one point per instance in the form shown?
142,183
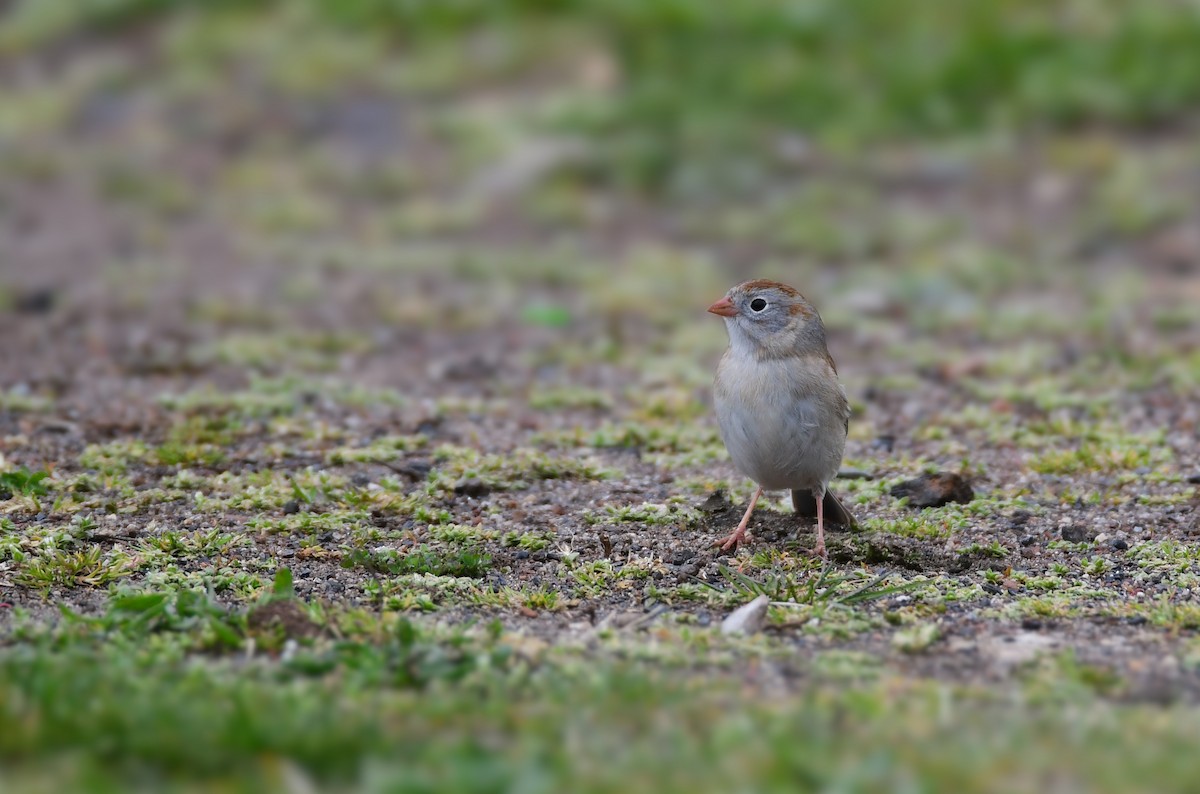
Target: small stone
291,507
35,301
680,556
287,615
1031,624
473,487
417,469
1074,533
429,427
1194,479
715,503
1027,540
748,618
1120,544
934,490
1103,538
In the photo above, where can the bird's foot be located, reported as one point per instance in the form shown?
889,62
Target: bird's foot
733,540
739,534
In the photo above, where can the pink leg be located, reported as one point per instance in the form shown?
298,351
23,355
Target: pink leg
739,533
820,549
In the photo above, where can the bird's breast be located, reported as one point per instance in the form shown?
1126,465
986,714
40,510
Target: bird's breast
779,421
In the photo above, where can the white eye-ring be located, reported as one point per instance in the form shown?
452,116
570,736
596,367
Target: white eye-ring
758,305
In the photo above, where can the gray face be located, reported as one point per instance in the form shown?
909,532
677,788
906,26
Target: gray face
763,313
767,319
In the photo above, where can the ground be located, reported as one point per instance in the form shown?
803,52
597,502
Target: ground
333,371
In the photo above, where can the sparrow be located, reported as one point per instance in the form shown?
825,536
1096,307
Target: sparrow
783,413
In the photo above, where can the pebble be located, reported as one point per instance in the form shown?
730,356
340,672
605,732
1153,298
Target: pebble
885,442
1076,534
1120,544
417,469
472,487
748,618
934,490
1020,517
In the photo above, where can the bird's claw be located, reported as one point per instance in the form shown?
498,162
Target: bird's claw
730,542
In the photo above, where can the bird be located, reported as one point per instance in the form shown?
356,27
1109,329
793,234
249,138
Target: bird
782,412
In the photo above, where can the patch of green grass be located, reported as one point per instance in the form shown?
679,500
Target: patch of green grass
773,72
115,457
540,599
529,541
89,567
1062,676
380,450
568,398
21,400
24,482
461,534
198,543
1098,457
916,639
994,549
174,453
417,709
928,524
303,351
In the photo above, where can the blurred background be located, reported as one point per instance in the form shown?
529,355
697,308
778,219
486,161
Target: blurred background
471,197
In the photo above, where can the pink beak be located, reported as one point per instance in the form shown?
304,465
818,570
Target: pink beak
723,307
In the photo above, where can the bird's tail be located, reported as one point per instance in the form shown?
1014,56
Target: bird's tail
805,505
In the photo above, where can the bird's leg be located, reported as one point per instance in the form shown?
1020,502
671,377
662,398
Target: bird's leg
820,549
739,533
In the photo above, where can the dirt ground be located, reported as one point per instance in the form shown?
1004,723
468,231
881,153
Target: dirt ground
208,295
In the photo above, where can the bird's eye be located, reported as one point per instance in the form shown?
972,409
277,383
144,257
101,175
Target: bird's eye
757,305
